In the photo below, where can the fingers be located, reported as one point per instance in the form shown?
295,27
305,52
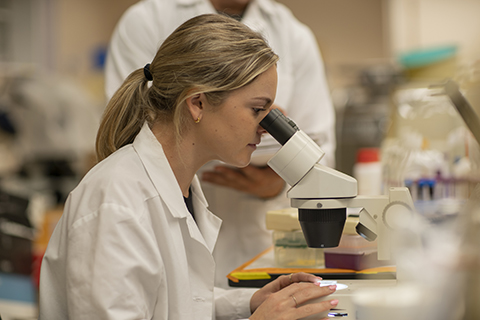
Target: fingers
309,299
261,182
265,183
286,280
226,177
316,308
296,301
280,283
305,291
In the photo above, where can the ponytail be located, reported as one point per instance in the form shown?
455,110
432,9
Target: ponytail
124,115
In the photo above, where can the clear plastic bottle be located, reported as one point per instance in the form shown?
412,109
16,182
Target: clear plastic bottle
368,171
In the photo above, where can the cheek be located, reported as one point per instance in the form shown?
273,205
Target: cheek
243,132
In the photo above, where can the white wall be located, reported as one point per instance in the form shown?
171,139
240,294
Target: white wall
350,34
418,24
25,37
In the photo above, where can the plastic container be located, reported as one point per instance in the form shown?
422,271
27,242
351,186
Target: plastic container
368,172
291,251
351,259
353,252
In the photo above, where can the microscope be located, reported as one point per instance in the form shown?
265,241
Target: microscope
322,194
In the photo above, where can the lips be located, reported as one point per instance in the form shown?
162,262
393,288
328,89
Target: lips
255,143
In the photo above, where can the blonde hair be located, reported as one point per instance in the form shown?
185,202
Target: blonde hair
211,54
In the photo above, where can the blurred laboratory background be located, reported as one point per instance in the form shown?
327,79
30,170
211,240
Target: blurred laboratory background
384,59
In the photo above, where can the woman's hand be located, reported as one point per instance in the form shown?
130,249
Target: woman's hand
262,182
284,298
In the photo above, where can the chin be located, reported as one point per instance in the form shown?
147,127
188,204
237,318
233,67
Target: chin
241,160
243,165
239,163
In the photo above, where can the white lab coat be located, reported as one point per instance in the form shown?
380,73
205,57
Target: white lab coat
126,246
302,92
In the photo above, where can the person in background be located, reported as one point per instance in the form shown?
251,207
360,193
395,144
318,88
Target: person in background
240,197
135,240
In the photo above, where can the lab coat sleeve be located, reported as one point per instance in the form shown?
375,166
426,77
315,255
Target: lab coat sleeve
132,46
232,304
114,269
311,103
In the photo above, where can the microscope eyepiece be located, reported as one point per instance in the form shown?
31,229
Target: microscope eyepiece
279,126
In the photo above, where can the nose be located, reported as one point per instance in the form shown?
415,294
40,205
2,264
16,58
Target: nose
260,130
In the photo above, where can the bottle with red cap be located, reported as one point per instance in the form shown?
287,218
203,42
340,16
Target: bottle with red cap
368,171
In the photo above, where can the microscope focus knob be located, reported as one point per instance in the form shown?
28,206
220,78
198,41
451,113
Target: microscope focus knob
397,215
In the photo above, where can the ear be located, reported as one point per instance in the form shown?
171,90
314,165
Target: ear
195,106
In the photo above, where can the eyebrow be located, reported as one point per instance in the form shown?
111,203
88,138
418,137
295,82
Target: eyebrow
265,99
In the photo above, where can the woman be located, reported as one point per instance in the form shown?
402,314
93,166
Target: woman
241,197
128,246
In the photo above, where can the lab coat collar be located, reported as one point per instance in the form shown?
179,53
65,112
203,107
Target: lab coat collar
258,11
257,15
206,227
188,3
206,221
266,6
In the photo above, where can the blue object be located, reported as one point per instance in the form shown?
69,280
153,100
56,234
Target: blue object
424,57
16,287
99,57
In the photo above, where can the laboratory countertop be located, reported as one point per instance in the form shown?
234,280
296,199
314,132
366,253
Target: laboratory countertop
261,270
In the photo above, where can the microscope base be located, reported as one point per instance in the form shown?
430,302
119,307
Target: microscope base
345,309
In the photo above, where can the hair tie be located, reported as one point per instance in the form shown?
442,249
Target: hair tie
147,73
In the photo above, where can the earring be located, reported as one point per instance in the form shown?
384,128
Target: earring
198,120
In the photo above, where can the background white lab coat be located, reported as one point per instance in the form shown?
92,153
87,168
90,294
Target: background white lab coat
302,92
126,246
